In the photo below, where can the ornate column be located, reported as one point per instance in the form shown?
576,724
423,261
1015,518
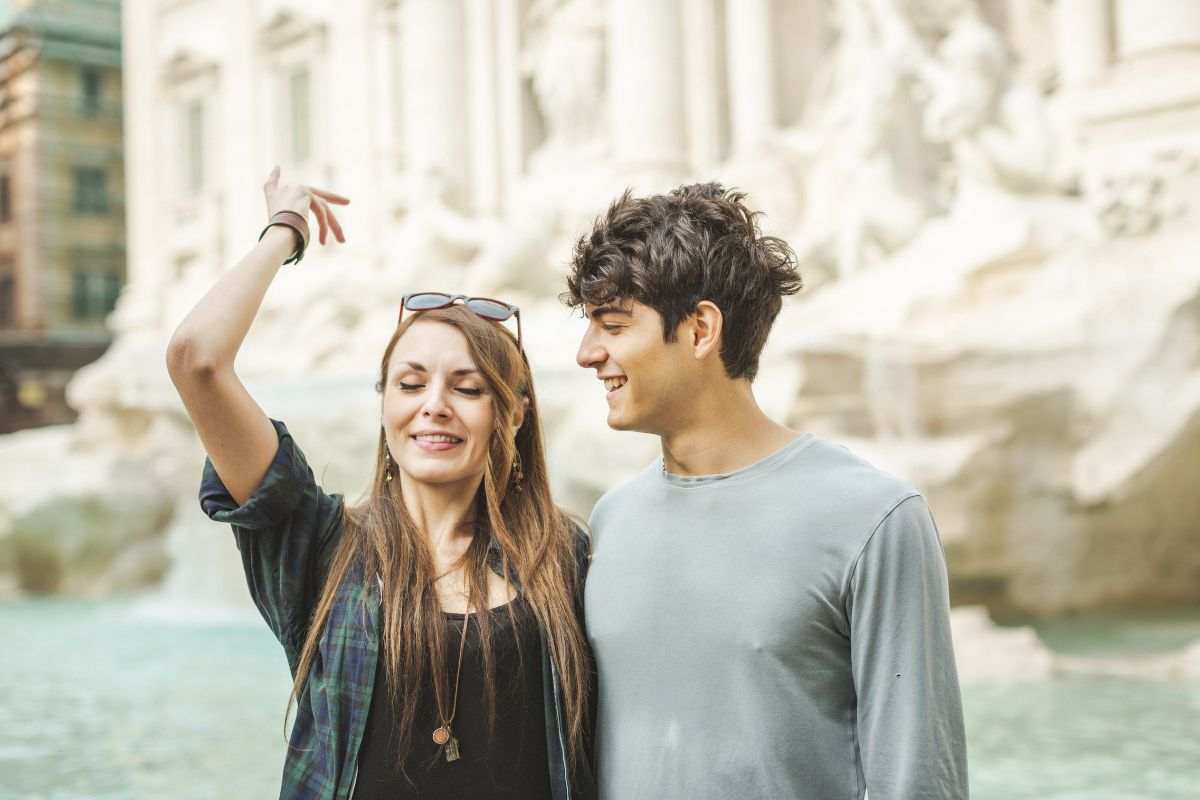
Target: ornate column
705,83
351,145
483,82
385,123
752,110
240,102
434,103
645,73
510,112
144,118
385,82
1082,40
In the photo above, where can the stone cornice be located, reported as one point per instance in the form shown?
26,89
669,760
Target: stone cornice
286,27
186,65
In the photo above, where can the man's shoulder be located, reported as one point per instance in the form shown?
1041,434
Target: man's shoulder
855,468
633,489
837,486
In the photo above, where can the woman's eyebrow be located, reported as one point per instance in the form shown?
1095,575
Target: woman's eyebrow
413,365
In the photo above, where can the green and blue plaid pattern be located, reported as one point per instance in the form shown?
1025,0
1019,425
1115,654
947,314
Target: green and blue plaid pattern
286,533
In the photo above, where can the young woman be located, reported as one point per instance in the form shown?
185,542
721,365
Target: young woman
434,629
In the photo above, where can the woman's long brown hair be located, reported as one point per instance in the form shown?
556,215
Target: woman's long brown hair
535,537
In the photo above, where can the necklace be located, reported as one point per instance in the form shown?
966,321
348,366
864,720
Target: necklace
443,734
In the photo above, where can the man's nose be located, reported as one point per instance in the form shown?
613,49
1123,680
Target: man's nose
590,354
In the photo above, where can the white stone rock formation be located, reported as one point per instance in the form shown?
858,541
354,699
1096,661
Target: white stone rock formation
987,653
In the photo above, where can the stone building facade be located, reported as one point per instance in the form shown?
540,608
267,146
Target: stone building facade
62,199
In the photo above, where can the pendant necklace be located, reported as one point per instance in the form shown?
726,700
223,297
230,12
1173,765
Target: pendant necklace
443,735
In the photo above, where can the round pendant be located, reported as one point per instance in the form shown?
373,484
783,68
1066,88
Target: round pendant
441,735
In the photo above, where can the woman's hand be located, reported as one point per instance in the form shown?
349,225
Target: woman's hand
297,198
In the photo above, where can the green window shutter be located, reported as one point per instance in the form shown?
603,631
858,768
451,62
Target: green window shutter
79,294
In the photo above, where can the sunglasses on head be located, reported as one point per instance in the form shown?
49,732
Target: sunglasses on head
486,307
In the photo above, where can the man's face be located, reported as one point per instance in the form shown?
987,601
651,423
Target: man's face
645,379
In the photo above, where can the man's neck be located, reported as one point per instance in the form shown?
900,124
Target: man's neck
724,431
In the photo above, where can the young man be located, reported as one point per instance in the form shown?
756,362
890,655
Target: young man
769,613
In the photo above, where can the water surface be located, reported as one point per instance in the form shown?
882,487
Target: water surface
100,700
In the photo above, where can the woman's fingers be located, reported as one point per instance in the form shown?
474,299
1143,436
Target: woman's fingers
332,197
319,213
334,224
318,202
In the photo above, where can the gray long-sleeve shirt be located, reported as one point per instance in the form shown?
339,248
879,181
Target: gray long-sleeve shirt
777,632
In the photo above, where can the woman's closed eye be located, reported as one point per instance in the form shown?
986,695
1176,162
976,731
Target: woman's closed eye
469,391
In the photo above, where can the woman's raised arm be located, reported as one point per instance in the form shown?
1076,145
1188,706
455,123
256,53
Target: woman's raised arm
236,433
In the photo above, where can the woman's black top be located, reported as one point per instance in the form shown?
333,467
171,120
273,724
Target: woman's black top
509,763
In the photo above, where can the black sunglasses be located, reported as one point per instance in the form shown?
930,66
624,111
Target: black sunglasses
486,307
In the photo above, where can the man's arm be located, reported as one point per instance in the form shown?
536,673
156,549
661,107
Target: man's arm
910,725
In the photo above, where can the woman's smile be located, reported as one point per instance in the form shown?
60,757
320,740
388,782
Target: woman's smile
436,441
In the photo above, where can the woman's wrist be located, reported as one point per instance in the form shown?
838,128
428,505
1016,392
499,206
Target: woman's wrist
283,240
297,225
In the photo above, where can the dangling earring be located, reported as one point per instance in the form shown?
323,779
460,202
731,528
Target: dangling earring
520,475
387,465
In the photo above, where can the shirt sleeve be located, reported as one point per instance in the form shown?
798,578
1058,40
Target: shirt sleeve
910,724
285,532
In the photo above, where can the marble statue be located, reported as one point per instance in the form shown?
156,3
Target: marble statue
995,125
870,186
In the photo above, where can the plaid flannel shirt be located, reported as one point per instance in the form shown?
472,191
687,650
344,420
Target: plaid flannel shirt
286,533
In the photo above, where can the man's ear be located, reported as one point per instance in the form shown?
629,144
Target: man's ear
518,415
707,325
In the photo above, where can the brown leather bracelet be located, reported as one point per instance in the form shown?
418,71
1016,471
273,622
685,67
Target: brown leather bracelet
299,224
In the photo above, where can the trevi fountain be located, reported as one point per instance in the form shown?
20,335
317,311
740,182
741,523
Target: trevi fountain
995,205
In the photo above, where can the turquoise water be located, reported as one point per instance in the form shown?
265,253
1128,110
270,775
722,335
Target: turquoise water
96,702
99,701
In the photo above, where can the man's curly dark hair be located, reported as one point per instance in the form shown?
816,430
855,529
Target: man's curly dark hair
671,251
